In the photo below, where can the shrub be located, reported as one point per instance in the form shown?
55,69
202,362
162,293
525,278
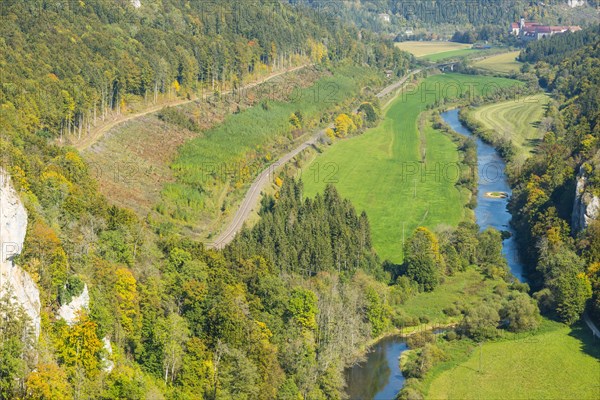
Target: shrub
420,339
73,288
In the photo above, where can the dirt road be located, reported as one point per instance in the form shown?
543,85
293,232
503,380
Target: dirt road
97,133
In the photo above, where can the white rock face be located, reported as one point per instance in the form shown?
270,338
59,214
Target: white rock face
136,3
68,312
108,364
13,227
586,206
575,3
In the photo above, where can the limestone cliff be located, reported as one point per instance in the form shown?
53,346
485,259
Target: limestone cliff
586,206
13,227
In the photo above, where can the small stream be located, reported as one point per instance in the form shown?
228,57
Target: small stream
379,376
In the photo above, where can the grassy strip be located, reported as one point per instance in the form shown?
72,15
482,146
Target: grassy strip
421,49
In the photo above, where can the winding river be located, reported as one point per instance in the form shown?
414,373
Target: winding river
379,376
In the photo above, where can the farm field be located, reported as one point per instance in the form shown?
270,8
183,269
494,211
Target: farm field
502,63
381,172
454,54
517,121
421,49
559,362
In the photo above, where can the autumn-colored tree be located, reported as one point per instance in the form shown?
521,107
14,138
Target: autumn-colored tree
127,301
303,308
78,346
422,259
48,382
344,125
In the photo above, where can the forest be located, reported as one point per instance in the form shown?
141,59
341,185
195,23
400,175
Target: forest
181,321
565,256
294,299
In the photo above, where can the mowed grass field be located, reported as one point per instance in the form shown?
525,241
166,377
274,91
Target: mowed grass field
516,120
381,172
502,63
421,49
558,363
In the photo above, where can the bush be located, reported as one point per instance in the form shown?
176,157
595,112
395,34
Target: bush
420,339
73,288
480,322
451,310
521,313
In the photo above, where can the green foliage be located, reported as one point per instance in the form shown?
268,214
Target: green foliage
175,117
303,308
309,236
520,313
16,341
73,288
480,322
422,259
571,292
377,313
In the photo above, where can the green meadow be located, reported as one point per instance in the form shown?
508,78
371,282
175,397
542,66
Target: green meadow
456,54
558,362
381,171
213,169
502,63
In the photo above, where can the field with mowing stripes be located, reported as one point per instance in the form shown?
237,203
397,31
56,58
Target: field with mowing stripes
503,63
381,171
516,120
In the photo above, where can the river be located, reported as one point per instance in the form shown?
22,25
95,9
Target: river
379,376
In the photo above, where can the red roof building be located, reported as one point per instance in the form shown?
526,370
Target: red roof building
536,31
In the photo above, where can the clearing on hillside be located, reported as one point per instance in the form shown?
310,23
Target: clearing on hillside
401,178
502,63
516,120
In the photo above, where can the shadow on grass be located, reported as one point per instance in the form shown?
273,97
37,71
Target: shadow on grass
589,344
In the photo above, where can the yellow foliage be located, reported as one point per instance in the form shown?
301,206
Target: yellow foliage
48,382
343,125
175,85
279,181
79,346
127,299
318,51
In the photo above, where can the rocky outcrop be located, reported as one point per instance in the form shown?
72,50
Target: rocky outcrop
575,3
586,206
13,227
109,365
68,312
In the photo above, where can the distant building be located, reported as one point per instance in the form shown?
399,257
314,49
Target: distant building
537,31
